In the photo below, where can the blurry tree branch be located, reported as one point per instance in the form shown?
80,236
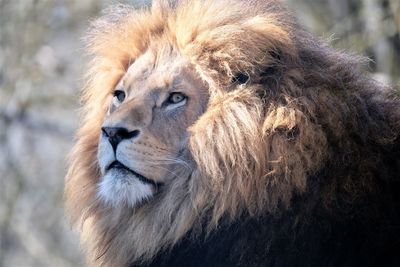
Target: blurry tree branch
10,200
32,123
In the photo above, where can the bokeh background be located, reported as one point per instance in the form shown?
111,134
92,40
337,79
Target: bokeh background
41,68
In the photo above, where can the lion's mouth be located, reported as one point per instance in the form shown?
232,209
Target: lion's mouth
118,165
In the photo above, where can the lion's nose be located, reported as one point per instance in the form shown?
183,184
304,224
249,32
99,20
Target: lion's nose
116,134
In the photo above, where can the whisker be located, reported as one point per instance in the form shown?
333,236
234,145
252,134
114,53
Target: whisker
166,160
171,172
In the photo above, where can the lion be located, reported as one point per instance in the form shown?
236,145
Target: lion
222,133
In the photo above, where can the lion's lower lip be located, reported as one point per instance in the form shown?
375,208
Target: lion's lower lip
119,165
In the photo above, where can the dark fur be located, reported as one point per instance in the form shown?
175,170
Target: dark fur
331,225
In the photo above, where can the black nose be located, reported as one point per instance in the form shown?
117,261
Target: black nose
116,134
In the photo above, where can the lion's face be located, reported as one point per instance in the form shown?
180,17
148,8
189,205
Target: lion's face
144,139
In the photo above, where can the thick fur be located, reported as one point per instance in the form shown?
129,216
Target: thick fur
300,163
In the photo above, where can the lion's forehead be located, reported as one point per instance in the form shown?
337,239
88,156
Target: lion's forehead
155,69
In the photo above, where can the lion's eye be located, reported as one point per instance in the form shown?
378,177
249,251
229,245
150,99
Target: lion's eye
175,98
119,95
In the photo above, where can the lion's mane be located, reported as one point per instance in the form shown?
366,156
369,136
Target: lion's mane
258,142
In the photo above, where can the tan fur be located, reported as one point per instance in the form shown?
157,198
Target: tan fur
251,154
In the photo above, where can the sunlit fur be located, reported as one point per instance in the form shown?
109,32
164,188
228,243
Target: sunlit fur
257,142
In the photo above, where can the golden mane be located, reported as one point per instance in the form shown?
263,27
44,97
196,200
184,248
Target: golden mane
252,155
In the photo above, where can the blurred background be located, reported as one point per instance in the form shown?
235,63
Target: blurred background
41,68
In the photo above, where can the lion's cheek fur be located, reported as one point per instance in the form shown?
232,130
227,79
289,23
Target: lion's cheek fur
226,144
243,146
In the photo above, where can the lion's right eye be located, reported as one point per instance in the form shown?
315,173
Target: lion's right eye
119,95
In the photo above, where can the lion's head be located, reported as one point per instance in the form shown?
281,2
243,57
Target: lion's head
194,111
143,147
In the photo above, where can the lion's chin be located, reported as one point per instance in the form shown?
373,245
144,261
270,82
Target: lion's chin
119,187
